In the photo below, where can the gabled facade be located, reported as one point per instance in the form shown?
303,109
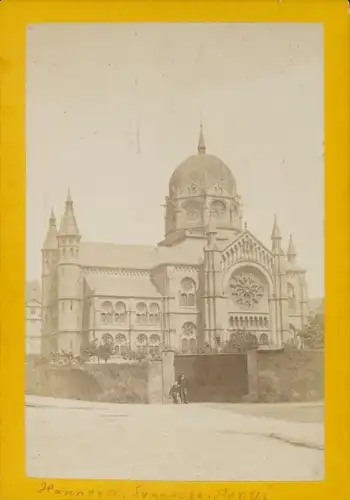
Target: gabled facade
208,279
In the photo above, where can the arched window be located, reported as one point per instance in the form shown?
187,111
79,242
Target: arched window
193,212
183,299
107,339
106,311
120,313
193,345
218,208
121,344
190,299
154,314
184,345
141,313
264,339
189,337
142,344
154,345
188,292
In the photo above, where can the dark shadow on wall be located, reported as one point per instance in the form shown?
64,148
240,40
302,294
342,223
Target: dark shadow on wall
115,383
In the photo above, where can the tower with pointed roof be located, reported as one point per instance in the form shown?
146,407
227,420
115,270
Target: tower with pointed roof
69,282
49,259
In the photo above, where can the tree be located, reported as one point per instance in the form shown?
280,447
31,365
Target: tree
312,334
104,351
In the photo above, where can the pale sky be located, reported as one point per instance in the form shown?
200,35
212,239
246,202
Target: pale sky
257,87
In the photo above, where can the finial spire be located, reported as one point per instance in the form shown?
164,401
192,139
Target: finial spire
276,233
50,242
245,225
52,219
69,197
201,143
52,215
291,250
68,223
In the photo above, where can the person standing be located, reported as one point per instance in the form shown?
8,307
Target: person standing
183,388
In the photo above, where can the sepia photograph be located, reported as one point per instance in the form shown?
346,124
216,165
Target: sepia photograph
174,301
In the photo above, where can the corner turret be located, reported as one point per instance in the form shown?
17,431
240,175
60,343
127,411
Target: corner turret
68,226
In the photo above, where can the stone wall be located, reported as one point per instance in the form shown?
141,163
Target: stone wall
290,375
111,382
272,377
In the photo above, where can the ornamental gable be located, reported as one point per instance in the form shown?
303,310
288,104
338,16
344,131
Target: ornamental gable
217,190
247,248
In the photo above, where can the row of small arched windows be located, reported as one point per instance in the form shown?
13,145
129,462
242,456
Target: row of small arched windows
246,321
187,299
73,252
144,344
118,314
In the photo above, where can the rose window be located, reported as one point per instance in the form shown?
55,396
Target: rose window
245,290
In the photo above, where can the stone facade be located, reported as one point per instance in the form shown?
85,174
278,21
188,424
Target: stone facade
209,278
33,319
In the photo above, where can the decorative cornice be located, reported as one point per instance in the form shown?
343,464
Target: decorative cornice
178,267
116,271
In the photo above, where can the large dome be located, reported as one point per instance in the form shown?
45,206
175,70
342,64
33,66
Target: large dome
203,170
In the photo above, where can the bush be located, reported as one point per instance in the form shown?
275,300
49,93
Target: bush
269,387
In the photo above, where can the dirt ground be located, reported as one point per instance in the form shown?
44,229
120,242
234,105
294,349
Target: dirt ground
73,439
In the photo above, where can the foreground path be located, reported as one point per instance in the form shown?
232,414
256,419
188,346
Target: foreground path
71,439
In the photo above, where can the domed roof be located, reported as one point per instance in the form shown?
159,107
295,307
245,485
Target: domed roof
203,170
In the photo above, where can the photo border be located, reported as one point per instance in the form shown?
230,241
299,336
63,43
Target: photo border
15,15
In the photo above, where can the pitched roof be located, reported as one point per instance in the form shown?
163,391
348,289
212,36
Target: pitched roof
122,286
33,303
134,256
